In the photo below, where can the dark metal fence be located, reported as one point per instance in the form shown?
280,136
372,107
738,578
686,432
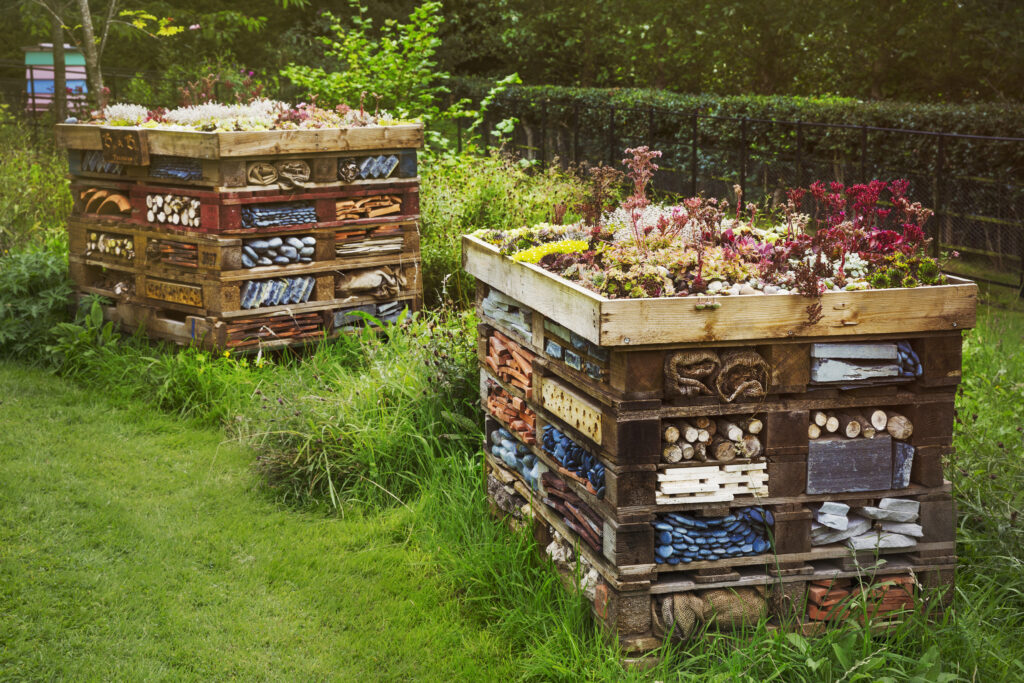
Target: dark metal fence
975,184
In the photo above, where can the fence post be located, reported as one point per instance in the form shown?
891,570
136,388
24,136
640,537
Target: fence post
650,127
611,136
743,160
939,192
485,133
543,134
864,154
694,132
576,132
799,154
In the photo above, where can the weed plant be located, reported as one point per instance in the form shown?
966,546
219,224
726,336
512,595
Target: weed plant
34,196
461,194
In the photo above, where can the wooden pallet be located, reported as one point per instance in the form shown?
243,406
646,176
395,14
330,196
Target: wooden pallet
244,334
222,298
249,144
195,257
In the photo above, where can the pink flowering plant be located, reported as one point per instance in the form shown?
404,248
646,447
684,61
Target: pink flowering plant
858,237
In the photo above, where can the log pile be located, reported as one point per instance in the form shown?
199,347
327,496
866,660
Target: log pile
576,514
706,439
711,484
685,538
107,244
512,411
574,461
510,362
374,206
852,424
173,209
734,374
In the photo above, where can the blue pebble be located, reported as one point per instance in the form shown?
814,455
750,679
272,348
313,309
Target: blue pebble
661,526
769,518
712,557
687,560
665,550
658,559
665,537
760,546
674,560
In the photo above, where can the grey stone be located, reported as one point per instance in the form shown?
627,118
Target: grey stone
880,539
901,504
833,508
822,535
905,529
887,515
839,522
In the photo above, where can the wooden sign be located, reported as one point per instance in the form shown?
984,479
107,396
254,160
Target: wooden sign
128,147
174,292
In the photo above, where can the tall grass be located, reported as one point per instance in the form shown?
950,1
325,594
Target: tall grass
466,193
34,196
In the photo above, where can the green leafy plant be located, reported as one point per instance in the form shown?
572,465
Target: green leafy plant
34,292
395,69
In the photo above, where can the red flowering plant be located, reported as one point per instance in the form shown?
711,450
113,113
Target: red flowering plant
853,237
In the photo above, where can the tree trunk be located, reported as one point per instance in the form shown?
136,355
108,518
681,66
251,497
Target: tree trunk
92,55
60,85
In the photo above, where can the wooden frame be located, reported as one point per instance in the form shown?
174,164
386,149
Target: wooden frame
640,322
219,145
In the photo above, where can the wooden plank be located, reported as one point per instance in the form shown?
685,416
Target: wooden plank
197,144
902,464
669,320
832,370
855,350
571,305
843,465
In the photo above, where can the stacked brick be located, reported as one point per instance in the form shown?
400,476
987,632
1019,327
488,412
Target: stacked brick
261,240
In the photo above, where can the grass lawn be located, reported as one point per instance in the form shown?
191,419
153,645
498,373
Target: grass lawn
133,546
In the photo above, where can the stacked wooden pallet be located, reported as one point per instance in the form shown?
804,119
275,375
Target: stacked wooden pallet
718,495
247,241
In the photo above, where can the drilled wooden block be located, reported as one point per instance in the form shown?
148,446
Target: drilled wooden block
575,409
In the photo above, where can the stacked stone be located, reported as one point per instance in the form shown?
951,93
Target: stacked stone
689,538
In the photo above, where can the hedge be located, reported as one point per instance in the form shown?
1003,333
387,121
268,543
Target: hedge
557,107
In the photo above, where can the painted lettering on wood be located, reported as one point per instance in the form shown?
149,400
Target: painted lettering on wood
125,147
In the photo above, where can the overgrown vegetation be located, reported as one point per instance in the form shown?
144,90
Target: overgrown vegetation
34,199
